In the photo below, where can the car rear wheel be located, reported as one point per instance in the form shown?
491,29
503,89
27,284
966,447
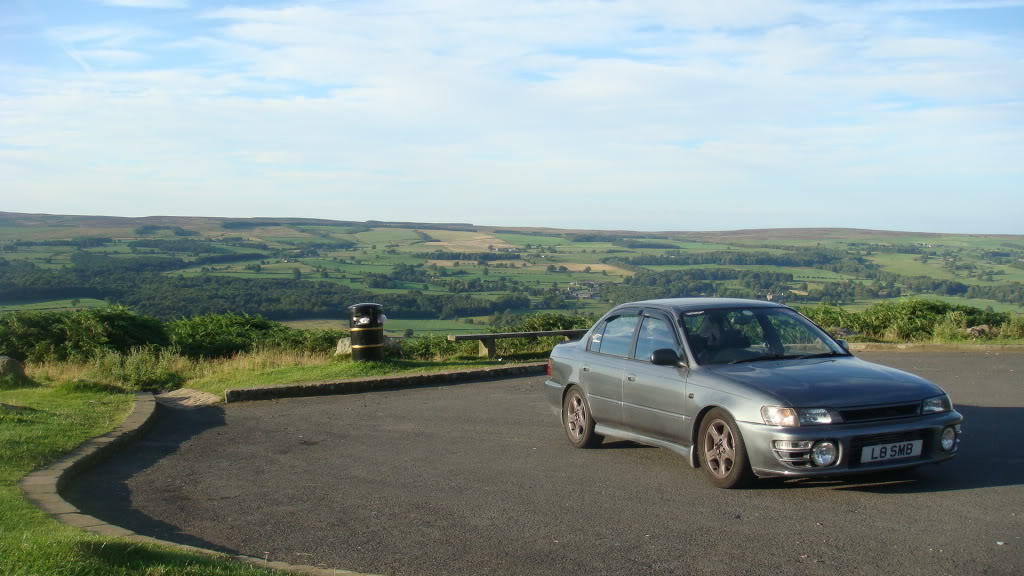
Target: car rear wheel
723,456
577,421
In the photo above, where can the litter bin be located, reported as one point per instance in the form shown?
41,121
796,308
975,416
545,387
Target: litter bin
366,322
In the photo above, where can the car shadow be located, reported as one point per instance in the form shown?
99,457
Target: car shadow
103,492
621,445
989,457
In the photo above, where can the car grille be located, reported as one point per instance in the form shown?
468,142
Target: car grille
859,442
869,413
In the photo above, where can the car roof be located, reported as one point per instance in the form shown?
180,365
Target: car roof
690,304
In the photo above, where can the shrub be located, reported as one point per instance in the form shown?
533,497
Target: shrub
832,318
221,335
217,335
141,368
436,347
1013,327
951,327
78,335
312,341
915,319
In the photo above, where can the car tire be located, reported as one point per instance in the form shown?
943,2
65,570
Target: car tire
722,453
577,421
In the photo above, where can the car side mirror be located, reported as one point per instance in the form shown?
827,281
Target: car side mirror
844,345
666,357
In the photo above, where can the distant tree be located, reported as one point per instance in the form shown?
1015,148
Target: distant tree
296,274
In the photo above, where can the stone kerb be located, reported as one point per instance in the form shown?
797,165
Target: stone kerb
355,386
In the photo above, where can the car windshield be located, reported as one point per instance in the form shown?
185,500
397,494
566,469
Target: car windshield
733,335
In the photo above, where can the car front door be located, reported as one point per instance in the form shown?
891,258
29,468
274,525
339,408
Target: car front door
602,372
654,397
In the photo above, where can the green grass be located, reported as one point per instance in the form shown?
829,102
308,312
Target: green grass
330,369
52,304
524,239
51,422
862,305
382,236
800,274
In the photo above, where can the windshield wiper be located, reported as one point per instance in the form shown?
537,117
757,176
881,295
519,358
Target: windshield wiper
787,357
821,355
759,358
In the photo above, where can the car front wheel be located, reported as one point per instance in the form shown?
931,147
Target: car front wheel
577,421
723,456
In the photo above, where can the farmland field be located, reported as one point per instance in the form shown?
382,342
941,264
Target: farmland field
432,277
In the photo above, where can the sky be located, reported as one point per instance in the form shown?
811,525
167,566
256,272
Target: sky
636,115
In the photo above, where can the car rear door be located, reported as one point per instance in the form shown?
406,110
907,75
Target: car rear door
654,397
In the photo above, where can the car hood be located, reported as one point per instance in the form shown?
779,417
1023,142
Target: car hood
830,382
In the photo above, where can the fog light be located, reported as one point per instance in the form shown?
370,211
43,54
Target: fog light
824,453
948,439
791,446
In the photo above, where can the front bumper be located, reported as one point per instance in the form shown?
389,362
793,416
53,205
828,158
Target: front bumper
766,460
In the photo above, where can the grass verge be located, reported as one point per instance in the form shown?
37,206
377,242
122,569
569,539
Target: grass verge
245,370
236,372
38,425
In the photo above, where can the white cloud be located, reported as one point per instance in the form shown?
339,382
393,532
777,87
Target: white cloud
112,57
558,112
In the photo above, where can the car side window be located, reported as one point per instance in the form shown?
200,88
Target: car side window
616,336
655,334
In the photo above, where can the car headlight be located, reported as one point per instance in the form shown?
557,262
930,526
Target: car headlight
815,416
779,416
936,405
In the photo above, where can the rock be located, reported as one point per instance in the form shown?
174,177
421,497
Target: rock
392,347
841,332
12,373
978,331
344,347
187,398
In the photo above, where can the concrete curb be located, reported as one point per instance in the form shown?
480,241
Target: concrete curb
357,385
43,487
924,347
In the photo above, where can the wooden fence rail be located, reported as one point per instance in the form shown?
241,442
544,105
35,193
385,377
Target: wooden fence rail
487,341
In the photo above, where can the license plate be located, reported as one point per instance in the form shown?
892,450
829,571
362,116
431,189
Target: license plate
894,451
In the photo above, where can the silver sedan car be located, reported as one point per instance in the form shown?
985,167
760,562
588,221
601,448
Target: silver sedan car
745,389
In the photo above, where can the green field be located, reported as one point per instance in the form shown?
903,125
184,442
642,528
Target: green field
524,260
799,274
67,304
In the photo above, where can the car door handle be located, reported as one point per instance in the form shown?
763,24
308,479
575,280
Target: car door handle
586,368
631,378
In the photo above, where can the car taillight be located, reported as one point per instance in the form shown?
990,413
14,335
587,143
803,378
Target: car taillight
549,366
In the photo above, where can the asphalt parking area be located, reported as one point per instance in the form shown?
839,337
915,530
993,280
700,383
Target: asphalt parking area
478,478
